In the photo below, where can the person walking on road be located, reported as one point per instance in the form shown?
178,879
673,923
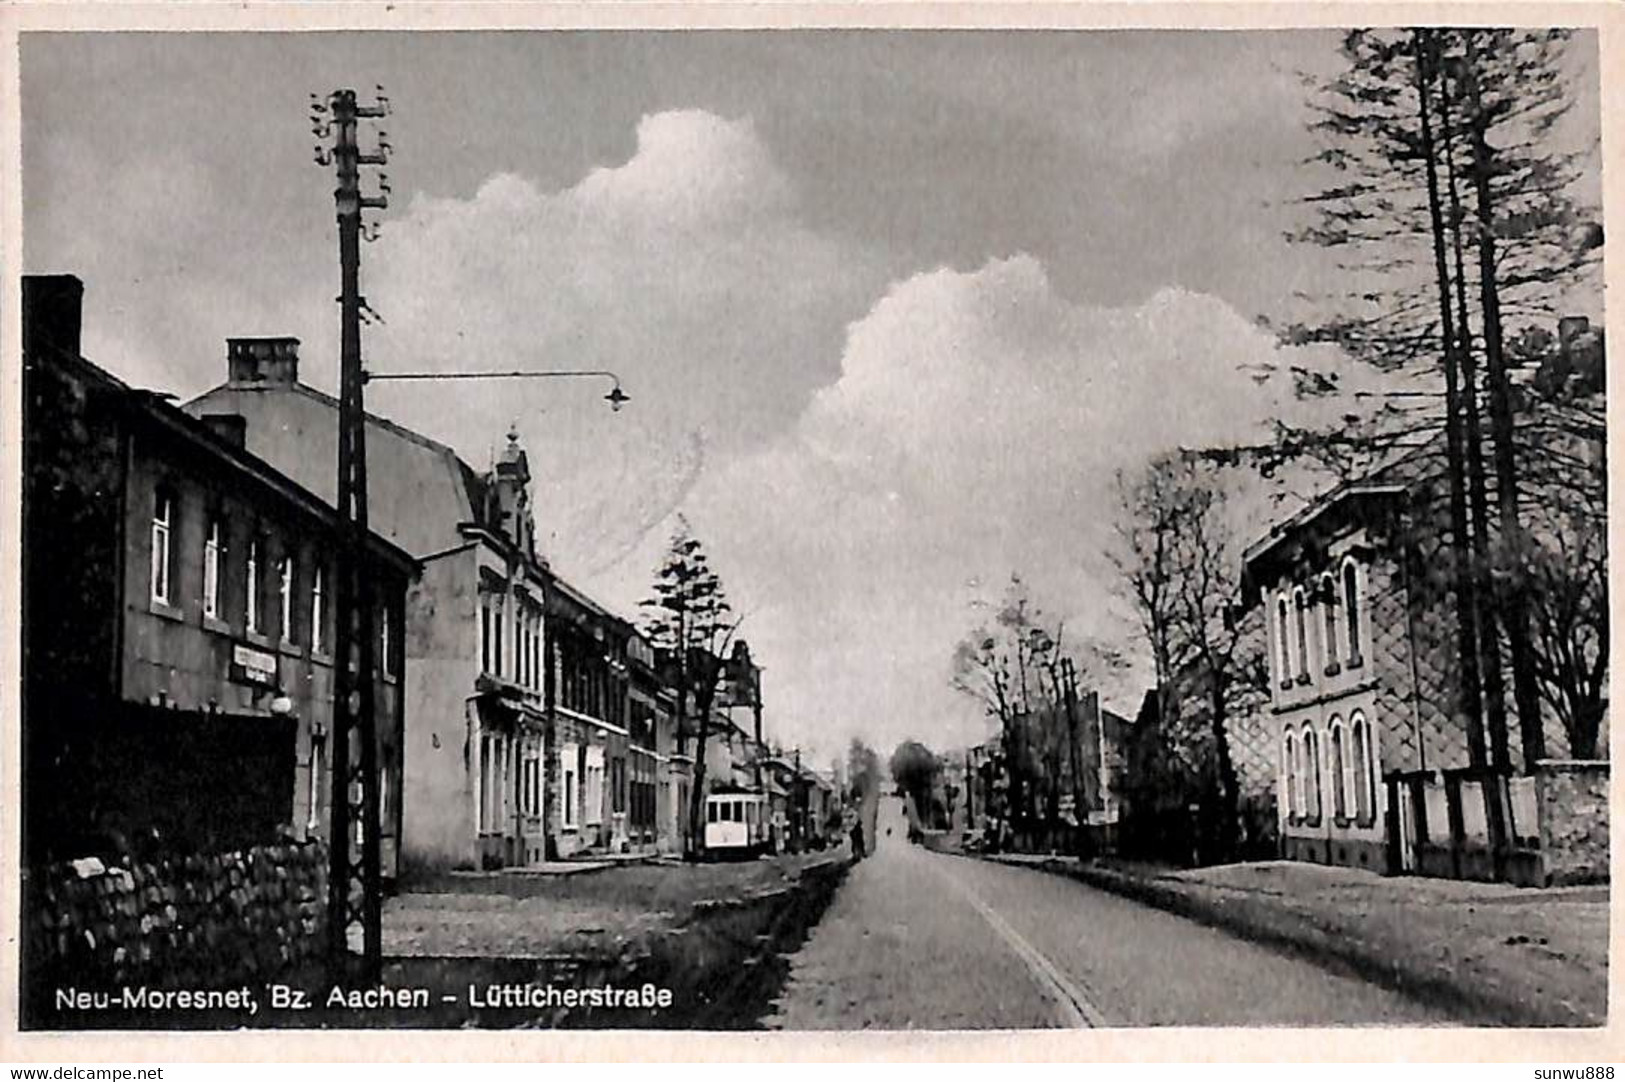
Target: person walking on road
857,839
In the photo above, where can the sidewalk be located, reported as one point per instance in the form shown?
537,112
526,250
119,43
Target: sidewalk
570,908
1498,954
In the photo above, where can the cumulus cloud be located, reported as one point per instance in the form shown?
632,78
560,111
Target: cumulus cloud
975,431
863,455
685,270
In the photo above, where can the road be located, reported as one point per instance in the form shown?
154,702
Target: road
920,940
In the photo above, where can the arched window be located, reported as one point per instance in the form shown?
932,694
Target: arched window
1311,774
1302,605
1351,608
1364,768
1289,771
1283,638
1328,600
1341,770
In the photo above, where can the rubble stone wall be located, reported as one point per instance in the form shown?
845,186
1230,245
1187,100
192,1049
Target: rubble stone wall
1573,800
211,920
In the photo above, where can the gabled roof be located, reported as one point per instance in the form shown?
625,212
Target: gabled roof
154,409
1327,513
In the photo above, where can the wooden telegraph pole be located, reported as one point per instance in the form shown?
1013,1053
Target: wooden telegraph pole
355,891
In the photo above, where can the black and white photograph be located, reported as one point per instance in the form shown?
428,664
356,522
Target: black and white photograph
768,529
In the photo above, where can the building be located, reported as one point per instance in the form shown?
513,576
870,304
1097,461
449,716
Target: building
650,719
1353,603
589,709
520,687
178,619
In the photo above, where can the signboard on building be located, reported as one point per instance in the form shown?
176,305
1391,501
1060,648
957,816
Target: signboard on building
250,665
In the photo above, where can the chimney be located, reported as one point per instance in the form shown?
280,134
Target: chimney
231,427
263,360
52,304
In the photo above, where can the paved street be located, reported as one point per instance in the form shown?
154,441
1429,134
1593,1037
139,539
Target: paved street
918,940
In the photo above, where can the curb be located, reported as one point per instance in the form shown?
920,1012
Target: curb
1329,948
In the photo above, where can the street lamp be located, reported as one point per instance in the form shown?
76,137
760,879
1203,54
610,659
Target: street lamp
616,397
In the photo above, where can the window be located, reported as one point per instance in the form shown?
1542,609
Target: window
593,813
485,781
496,634
251,575
1328,599
211,571
536,649
315,785
1283,638
1364,769
1301,604
711,812
1351,608
569,758
318,609
163,515
1311,774
383,798
530,781
284,597
485,632
386,644
494,774
617,785
1289,768
1342,775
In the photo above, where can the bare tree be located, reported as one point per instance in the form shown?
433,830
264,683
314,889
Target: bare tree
1178,560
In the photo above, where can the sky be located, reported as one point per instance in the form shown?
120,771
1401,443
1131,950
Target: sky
893,308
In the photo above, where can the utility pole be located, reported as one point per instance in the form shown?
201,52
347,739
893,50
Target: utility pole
354,886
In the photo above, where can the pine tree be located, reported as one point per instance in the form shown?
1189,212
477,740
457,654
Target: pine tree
689,618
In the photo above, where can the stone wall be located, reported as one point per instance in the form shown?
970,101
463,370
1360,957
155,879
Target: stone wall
1573,801
202,921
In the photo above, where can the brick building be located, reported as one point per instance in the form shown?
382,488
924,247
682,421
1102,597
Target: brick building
178,618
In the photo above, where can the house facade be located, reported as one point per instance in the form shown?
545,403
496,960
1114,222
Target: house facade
178,617
475,629
1373,765
1332,590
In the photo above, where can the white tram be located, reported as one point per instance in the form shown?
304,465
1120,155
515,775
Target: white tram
737,823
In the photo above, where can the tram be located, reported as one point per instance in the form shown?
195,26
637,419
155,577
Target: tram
737,824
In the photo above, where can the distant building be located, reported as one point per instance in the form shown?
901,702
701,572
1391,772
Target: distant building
178,618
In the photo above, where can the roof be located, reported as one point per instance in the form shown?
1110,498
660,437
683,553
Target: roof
1329,508
153,408
420,491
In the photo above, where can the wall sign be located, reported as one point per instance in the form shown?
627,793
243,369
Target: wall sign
253,666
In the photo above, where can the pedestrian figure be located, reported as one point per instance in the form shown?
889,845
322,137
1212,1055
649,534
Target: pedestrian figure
857,840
